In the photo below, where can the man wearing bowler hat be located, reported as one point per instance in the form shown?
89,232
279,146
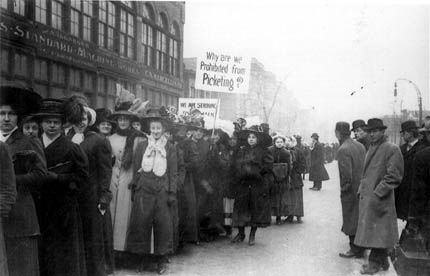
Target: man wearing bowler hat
377,220
317,172
350,156
409,133
360,134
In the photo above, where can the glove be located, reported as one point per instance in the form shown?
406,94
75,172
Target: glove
171,198
345,187
103,206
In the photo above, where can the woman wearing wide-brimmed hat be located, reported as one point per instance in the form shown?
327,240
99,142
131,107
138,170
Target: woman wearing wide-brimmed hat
62,251
21,228
123,142
95,196
251,192
154,190
282,164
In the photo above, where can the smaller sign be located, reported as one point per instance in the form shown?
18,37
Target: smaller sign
223,72
208,107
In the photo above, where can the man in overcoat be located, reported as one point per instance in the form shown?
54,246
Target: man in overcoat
350,156
358,127
21,228
409,132
7,199
419,213
317,172
377,222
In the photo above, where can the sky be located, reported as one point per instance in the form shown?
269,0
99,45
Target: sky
324,52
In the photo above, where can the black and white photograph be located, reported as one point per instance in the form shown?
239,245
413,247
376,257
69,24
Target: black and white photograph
214,137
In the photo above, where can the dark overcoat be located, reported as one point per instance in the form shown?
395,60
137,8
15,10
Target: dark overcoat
152,196
63,251
7,199
7,182
299,167
187,201
94,192
377,220
420,190
250,190
350,156
282,165
317,170
21,228
402,192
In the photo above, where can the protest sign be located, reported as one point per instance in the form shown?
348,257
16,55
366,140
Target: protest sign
223,72
208,107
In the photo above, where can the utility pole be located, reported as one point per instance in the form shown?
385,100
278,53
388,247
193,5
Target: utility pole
420,99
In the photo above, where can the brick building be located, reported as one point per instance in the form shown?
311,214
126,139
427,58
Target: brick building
64,47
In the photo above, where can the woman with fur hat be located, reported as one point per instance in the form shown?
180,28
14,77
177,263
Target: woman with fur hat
154,191
123,143
282,163
251,192
21,227
95,196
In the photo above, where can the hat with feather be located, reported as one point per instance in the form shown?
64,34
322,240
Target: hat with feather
126,104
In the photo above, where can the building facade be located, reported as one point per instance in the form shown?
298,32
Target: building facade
65,47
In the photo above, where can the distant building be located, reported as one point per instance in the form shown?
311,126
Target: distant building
64,47
264,92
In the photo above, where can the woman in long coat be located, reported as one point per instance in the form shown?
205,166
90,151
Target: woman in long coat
63,252
123,143
154,189
21,227
317,172
7,199
251,192
295,194
95,196
282,163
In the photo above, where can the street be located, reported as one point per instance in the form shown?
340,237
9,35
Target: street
306,249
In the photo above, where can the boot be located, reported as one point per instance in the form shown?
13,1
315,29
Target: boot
162,265
251,241
299,220
371,268
289,219
278,220
240,236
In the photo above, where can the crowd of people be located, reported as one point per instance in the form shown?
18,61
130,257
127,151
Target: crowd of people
84,191
381,182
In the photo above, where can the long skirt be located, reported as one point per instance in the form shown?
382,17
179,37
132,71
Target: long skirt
279,199
22,256
3,260
150,216
108,242
294,202
175,225
120,206
187,205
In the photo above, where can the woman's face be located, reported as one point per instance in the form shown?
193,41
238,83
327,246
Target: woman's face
31,129
189,133
83,125
279,143
156,129
105,128
232,141
215,137
252,139
137,126
123,122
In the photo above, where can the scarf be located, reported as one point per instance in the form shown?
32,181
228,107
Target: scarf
131,134
154,158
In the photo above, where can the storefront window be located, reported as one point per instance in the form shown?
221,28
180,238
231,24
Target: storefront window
41,69
75,78
20,65
58,73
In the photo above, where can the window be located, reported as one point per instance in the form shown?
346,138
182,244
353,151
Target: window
111,86
18,7
102,24
4,60
88,81
126,37
21,65
111,25
57,14
101,85
147,44
74,22
75,78
88,13
57,73
173,57
161,52
41,69
40,12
